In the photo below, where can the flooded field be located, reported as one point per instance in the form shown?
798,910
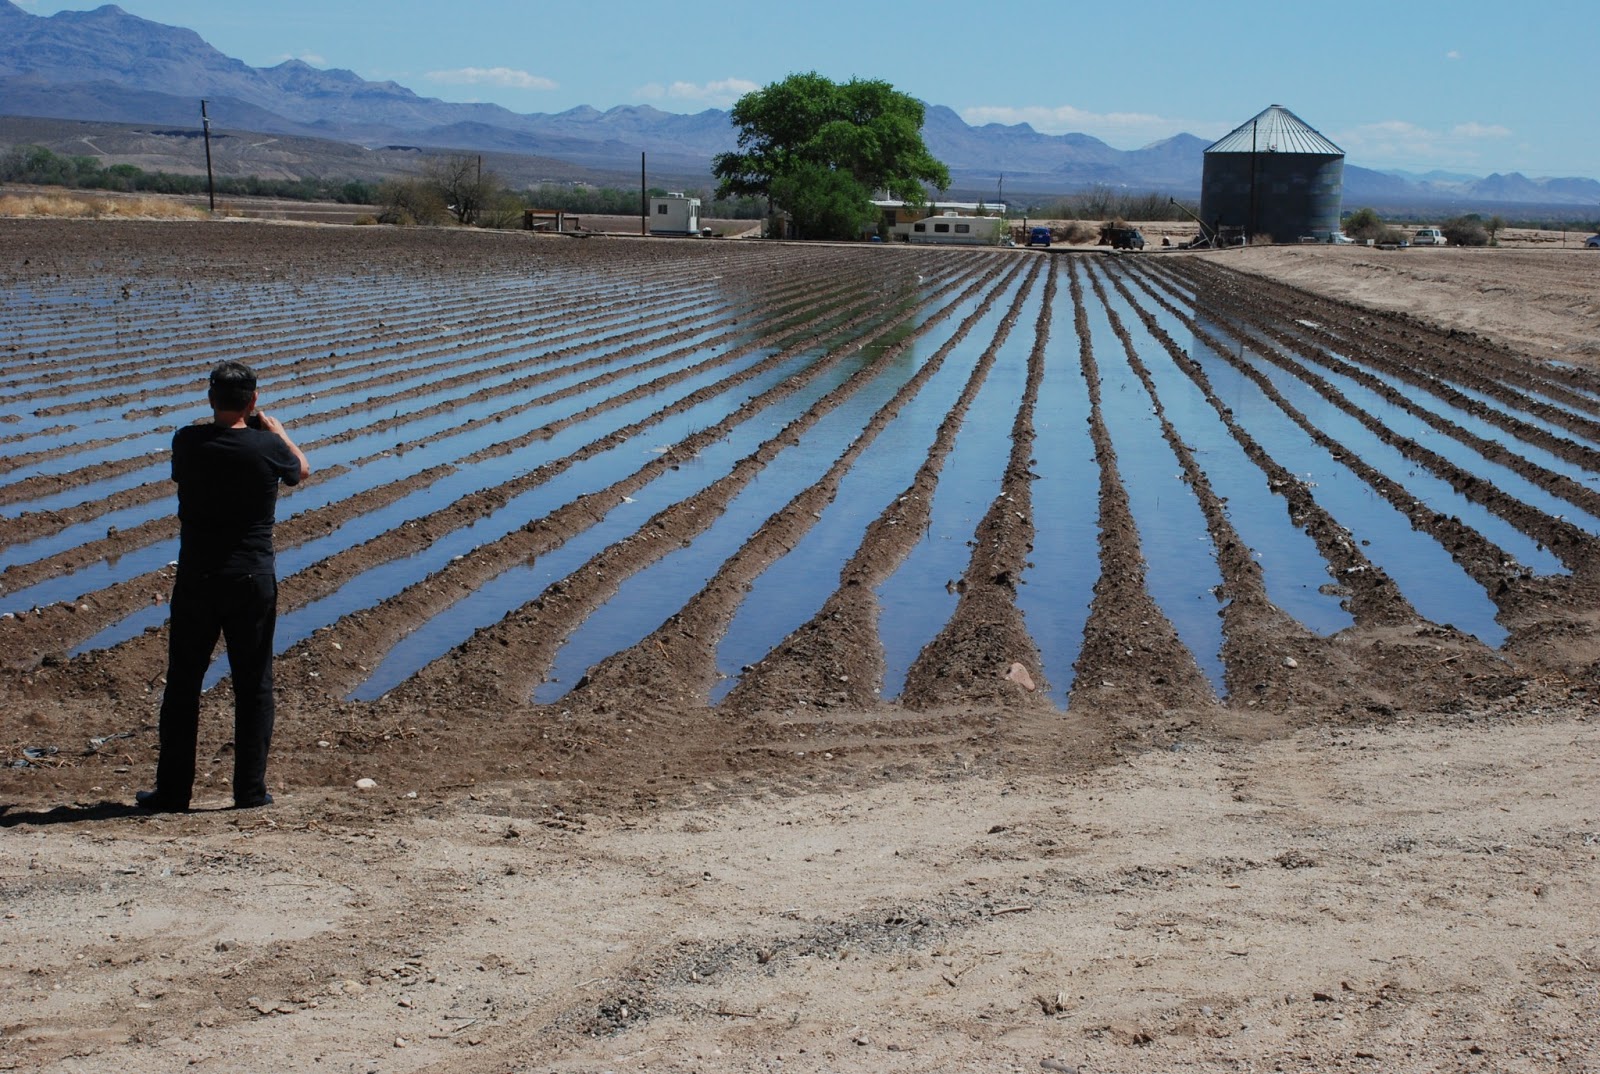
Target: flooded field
755,477
723,655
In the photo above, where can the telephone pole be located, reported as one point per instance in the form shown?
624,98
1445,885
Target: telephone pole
211,186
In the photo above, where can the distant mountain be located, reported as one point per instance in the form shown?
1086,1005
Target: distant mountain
126,73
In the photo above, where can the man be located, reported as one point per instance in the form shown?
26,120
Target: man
227,473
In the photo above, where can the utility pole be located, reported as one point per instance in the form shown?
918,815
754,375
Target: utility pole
1251,236
644,200
211,186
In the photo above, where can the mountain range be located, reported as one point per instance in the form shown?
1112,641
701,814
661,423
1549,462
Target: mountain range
128,89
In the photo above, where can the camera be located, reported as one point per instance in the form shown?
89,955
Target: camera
254,421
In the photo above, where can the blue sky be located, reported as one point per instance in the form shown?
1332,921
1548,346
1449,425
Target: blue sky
1456,85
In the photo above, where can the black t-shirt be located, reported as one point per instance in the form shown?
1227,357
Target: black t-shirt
228,495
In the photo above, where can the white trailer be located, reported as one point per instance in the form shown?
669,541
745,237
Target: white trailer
674,214
956,229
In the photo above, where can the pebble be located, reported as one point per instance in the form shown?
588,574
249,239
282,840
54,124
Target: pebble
365,784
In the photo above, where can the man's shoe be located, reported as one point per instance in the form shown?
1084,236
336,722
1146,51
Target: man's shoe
253,803
156,802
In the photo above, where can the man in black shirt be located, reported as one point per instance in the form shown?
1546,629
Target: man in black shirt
227,473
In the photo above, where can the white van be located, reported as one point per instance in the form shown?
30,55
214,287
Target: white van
1428,236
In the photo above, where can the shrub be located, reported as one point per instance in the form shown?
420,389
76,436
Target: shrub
1466,231
1076,232
410,201
1364,224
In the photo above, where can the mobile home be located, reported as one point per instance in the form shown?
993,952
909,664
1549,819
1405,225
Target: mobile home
950,227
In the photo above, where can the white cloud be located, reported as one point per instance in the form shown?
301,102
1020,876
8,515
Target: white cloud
504,77
1117,128
1398,143
1480,130
718,94
1453,54
313,58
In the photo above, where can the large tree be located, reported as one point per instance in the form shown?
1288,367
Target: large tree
820,150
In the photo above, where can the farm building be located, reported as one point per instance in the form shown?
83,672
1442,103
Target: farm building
674,214
1273,176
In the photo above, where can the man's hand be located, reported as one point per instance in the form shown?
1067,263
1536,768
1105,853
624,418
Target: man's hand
268,422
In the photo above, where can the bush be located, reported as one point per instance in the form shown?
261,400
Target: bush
1466,231
410,201
1364,224
1076,232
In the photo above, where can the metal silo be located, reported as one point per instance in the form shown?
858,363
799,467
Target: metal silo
1273,175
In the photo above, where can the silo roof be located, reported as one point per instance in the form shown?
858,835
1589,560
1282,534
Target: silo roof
1275,130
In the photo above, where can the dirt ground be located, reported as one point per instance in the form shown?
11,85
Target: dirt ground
1148,881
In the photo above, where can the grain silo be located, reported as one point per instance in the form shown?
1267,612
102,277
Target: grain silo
1273,176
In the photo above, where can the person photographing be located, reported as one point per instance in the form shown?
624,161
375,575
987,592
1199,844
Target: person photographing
227,471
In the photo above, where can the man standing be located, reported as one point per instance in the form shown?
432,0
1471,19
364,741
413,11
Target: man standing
227,473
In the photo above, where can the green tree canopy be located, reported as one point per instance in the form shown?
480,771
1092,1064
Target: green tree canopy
817,148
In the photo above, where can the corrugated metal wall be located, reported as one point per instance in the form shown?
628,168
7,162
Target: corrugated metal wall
1284,195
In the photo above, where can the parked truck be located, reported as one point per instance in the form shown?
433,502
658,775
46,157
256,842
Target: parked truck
1121,237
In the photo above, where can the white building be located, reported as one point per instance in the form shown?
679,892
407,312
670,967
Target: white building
674,214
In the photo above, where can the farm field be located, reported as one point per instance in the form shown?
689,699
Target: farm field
613,536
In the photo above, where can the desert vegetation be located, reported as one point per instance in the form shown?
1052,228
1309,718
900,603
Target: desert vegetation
1101,202
38,166
78,206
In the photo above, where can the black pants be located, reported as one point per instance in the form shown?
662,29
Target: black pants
243,610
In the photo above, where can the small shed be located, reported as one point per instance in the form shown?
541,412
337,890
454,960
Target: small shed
674,214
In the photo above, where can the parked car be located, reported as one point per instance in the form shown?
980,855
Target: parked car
1038,236
1428,236
1592,242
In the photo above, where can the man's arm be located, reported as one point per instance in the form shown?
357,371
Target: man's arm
274,426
